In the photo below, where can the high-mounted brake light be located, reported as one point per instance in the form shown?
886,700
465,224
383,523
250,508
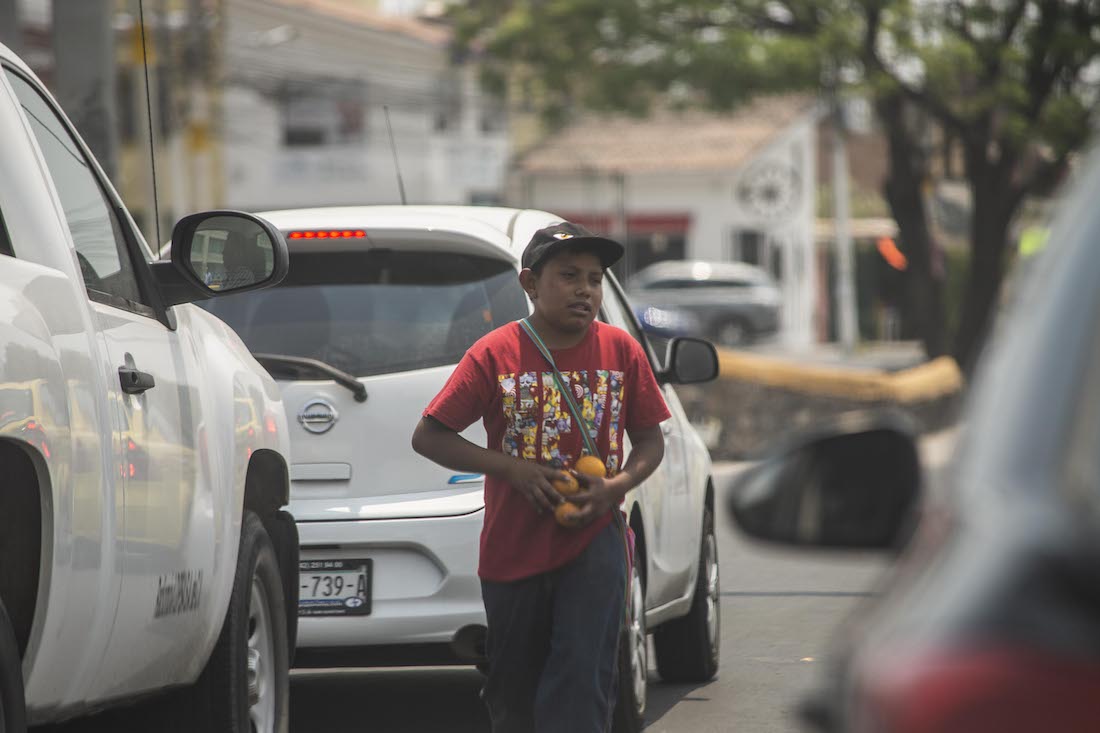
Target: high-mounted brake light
328,234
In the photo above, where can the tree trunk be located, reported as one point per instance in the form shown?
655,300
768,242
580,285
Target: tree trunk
990,219
902,189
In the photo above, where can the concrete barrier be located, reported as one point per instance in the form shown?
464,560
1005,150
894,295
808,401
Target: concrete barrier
757,398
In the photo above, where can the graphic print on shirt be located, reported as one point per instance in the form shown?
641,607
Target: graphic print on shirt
616,414
533,400
556,421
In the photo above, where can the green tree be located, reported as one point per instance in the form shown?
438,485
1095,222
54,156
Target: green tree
1012,83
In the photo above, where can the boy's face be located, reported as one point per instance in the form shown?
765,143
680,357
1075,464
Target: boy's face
568,292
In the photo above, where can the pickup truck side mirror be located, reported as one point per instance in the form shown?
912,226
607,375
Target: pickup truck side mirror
855,489
219,253
689,361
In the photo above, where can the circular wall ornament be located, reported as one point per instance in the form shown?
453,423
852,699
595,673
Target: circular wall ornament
769,189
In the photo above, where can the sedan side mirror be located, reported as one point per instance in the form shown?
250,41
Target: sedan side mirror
690,361
221,252
855,489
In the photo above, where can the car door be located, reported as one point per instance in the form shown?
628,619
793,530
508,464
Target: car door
671,539
164,551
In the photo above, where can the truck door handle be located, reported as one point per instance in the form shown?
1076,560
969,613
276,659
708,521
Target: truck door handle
135,381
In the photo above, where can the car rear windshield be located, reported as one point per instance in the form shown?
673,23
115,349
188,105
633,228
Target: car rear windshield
378,311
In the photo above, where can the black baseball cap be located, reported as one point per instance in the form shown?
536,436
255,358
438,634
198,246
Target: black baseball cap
548,240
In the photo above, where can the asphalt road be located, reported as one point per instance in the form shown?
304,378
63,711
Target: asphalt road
779,609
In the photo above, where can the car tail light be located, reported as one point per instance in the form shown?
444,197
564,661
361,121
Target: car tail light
981,691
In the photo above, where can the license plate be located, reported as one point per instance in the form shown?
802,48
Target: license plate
334,587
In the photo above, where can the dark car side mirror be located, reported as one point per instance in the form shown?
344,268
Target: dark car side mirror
856,490
219,253
690,361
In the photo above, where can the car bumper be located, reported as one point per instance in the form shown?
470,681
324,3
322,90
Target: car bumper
424,586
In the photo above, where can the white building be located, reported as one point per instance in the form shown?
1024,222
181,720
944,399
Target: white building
694,185
308,83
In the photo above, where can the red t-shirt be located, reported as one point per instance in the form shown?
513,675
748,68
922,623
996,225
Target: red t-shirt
505,381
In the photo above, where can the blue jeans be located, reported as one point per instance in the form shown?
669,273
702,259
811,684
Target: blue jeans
553,643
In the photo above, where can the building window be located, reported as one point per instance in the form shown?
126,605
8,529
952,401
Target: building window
323,112
493,116
448,103
747,245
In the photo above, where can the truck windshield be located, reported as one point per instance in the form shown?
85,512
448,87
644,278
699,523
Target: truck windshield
377,311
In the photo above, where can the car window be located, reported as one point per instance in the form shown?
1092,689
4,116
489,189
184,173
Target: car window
101,248
5,239
377,311
617,313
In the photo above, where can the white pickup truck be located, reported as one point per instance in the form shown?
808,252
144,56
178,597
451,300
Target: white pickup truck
144,554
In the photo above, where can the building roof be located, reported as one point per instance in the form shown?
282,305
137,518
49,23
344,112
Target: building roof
352,13
693,140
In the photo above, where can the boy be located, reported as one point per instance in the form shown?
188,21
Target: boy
553,594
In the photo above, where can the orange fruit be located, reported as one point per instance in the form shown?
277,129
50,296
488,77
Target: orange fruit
565,513
591,466
567,486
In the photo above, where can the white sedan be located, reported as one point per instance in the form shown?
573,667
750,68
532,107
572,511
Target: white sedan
379,306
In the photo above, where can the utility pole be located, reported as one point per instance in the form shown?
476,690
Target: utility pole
84,75
845,286
10,30
621,233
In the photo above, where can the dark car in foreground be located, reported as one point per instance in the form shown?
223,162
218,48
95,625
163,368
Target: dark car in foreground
990,619
733,303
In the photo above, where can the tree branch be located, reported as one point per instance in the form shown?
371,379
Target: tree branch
1042,173
960,27
923,99
1012,20
919,96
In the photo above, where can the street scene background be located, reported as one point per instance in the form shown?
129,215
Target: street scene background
846,220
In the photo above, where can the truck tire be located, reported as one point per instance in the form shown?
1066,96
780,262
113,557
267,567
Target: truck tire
245,686
687,647
283,531
629,716
13,714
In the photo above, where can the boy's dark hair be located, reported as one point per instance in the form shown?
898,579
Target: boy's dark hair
568,237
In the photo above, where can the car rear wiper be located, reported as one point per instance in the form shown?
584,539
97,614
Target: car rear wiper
316,365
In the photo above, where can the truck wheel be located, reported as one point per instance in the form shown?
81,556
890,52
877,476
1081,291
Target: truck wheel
687,648
633,662
245,686
13,715
283,532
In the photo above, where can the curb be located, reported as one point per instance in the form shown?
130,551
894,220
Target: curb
929,381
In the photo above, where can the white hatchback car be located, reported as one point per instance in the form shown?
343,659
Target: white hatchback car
379,305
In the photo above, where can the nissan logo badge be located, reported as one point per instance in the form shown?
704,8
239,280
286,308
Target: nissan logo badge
318,416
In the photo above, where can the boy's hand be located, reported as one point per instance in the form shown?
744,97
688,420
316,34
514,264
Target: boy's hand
533,480
596,497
